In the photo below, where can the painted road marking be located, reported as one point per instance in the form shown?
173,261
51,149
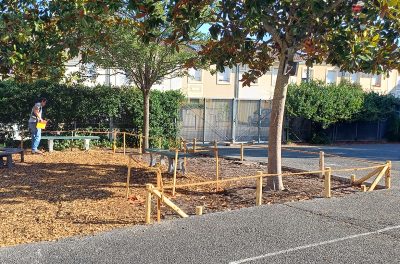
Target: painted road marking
276,253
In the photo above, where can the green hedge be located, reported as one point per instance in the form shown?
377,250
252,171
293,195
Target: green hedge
325,105
89,106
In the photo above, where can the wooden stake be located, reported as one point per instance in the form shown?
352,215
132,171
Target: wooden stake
194,145
140,143
241,152
199,210
115,141
149,188
217,168
259,188
363,188
124,143
322,163
159,143
159,183
175,169
327,183
388,182
215,144
128,177
352,179
185,150
377,179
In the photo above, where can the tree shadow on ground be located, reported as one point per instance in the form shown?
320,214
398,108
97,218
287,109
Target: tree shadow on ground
60,182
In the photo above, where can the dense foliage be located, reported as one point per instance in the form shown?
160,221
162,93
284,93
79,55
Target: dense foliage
89,106
327,104
324,103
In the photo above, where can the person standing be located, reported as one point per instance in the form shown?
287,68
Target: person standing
36,116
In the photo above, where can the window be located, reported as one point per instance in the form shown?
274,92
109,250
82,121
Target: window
224,77
331,77
195,75
355,78
304,74
376,80
274,74
351,77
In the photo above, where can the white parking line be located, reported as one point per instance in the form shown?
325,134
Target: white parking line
314,245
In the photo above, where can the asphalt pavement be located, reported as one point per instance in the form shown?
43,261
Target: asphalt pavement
347,156
359,228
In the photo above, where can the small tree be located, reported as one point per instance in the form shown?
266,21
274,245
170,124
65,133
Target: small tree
143,64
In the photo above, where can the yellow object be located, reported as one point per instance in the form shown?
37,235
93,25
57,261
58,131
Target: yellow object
41,125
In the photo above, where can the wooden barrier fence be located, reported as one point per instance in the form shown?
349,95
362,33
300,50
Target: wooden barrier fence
380,171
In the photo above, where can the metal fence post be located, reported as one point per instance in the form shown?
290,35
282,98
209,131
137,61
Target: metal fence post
204,121
234,113
259,121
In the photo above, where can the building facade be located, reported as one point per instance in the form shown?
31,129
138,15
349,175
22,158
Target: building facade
226,85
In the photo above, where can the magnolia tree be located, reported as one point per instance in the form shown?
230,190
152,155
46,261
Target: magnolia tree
38,37
354,35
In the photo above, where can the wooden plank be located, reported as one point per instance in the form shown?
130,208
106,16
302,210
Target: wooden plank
199,210
327,182
259,188
169,203
388,182
377,179
175,169
149,189
366,177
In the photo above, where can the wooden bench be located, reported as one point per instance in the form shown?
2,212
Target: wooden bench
7,153
154,152
87,139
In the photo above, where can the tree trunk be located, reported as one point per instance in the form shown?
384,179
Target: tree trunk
276,124
146,118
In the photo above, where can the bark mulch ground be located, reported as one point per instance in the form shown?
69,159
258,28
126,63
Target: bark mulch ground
71,193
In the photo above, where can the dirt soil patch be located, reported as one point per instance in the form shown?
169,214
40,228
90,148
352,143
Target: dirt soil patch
71,193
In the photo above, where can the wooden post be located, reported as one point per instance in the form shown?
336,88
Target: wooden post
259,188
217,168
149,188
115,141
352,178
194,145
140,143
322,163
215,144
327,183
388,182
159,183
175,169
199,210
185,150
124,143
159,142
363,188
128,177
241,152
